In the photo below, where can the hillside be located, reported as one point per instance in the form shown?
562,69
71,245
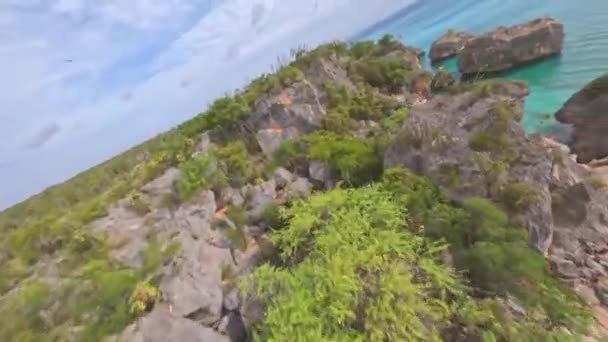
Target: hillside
349,196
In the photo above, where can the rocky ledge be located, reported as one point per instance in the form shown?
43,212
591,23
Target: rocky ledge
448,45
587,112
509,47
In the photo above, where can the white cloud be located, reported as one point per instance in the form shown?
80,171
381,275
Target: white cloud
137,67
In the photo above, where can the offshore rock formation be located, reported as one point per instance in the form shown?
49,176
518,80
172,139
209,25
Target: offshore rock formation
509,47
587,112
448,45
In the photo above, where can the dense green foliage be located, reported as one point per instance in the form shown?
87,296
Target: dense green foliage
355,160
357,274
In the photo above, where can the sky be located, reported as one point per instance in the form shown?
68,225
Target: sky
83,80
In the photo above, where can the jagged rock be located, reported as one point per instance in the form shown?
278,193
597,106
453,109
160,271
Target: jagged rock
515,310
203,144
271,138
162,326
320,172
448,45
127,233
437,138
283,177
587,112
232,300
565,269
301,188
233,326
231,196
155,190
601,291
420,84
258,197
509,47
442,80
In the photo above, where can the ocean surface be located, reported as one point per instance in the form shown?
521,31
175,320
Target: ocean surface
552,82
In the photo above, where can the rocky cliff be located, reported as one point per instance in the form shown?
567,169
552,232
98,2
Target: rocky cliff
587,112
316,204
509,47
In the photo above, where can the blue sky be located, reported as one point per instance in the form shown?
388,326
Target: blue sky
83,80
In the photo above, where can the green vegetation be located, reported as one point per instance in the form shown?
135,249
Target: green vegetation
199,173
236,163
343,285
393,122
597,183
137,203
353,159
518,196
143,298
353,266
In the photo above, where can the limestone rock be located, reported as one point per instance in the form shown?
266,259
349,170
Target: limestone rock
271,138
159,187
163,326
448,45
320,172
587,112
509,47
233,326
283,177
301,188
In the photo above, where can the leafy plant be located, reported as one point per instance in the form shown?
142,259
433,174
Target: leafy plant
518,196
235,162
142,299
199,173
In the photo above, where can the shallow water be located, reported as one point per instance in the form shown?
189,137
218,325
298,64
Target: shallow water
552,82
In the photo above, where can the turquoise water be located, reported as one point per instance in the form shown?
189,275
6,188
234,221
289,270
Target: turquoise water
552,82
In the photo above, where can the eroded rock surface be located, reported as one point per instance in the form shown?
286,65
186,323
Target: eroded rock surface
509,47
587,112
448,45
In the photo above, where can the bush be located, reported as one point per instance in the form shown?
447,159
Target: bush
143,299
238,215
386,73
272,216
342,285
226,113
289,154
197,174
353,159
518,196
394,122
235,162
137,203
597,183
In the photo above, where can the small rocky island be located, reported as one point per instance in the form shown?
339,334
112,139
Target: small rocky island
351,195
509,47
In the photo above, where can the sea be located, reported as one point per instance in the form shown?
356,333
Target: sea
584,55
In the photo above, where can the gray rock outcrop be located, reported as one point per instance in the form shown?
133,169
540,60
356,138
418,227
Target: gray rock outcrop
587,112
509,47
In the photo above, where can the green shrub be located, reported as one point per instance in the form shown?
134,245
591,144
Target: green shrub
394,122
342,285
518,196
226,113
143,299
353,159
238,215
235,162
449,173
289,154
137,203
199,173
385,73
337,121
272,215
488,141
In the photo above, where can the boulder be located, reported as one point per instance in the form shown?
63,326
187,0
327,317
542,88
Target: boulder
155,190
587,112
448,45
321,173
163,326
233,326
271,138
509,47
